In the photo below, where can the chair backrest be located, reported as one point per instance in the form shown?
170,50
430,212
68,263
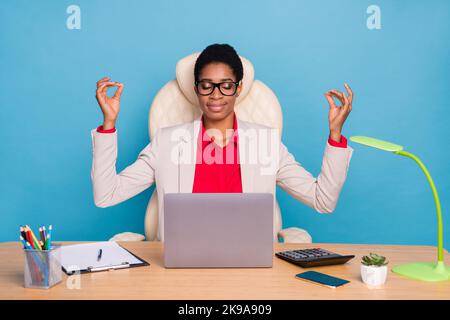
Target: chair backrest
176,103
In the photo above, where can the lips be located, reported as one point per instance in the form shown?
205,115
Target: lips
216,107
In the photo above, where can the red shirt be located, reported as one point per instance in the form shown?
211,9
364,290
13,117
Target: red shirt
217,169
213,173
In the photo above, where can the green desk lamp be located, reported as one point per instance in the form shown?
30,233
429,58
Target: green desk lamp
426,271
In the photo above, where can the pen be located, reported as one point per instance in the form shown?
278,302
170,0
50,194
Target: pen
99,255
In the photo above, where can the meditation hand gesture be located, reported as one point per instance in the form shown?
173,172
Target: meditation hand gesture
338,114
110,105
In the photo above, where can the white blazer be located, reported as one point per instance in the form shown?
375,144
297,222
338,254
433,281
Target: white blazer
169,161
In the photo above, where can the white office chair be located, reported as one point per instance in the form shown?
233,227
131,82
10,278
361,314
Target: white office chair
177,103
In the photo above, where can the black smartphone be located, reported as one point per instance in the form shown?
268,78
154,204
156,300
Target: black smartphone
322,279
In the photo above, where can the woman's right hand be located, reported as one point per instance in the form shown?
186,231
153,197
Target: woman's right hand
110,105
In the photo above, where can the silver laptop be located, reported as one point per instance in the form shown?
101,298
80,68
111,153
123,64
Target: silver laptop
218,230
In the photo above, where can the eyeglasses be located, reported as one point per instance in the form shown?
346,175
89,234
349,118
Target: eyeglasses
205,88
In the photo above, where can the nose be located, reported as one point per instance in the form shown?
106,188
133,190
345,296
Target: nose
216,94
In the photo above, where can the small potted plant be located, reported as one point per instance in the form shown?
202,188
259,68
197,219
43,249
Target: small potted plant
374,269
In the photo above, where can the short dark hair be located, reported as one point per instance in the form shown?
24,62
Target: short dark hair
219,53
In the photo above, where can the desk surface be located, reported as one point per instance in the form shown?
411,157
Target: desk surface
156,282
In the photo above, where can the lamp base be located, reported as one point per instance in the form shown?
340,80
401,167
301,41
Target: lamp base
424,271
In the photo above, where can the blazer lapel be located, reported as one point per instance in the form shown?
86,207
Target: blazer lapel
246,142
188,149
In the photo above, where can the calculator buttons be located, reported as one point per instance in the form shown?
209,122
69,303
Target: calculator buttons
313,257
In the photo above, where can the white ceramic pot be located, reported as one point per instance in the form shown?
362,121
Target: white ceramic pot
373,275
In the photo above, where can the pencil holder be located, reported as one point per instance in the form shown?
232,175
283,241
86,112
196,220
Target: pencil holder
42,267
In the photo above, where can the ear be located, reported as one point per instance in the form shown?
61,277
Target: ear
239,88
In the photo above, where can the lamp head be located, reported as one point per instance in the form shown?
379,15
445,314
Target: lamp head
376,143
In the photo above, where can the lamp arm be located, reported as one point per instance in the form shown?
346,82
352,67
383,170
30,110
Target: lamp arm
436,200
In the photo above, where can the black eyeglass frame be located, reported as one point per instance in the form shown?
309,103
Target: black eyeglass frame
217,85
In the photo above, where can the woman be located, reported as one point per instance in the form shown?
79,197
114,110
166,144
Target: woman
217,152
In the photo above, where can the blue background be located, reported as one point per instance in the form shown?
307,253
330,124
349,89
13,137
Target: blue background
300,49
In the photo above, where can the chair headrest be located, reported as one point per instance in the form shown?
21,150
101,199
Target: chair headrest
185,77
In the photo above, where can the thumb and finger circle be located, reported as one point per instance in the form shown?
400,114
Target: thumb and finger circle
339,95
350,92
344,99
103,80
103,88
342,94
330,100
118,92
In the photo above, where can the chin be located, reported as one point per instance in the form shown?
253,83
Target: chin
216,115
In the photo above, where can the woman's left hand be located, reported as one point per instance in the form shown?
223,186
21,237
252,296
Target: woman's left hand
338,114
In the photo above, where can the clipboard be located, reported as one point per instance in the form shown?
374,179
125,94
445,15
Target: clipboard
83,258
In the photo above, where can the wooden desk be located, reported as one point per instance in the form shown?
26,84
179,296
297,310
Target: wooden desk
156,282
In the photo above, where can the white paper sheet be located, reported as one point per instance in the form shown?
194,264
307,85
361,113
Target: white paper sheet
83,256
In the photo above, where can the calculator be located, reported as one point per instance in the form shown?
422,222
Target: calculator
315,257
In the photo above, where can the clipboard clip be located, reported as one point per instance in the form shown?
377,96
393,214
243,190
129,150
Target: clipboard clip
123,265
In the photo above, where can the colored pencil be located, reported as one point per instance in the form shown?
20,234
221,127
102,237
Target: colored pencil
46,242
31,263
25,229
40,235
37,259
23,242
28,245
25,235
30,238
36,242
49,237
38,264
44,233
22,232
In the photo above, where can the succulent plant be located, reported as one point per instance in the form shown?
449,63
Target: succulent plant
374,260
